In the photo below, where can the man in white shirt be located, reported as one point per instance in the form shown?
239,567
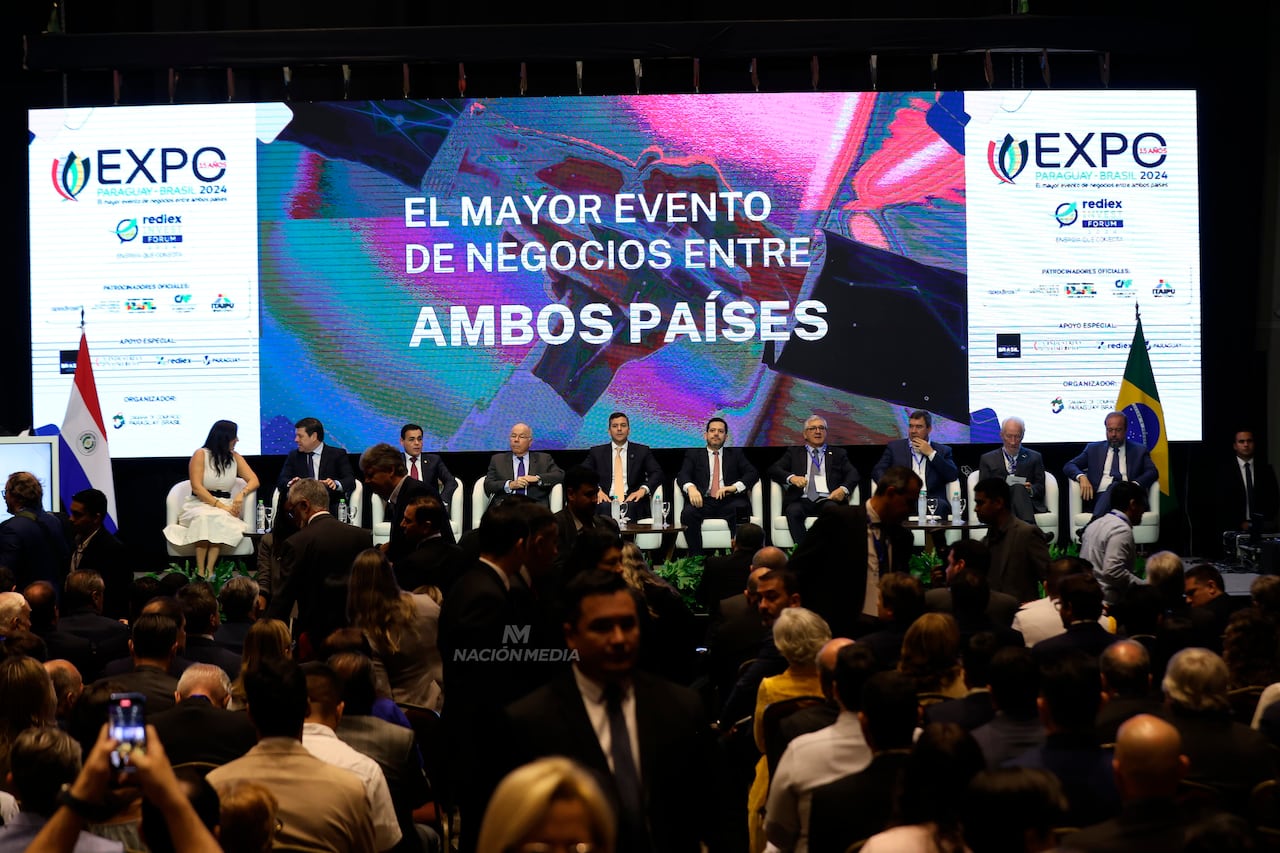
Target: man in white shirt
324,697
820,757
1107,542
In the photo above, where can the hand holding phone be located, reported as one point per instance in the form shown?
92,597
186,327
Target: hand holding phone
127,725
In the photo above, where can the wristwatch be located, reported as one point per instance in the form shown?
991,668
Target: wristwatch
91,812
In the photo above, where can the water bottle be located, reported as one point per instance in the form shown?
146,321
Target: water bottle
956,510
655,510
262,517
615,510
922,511
342,511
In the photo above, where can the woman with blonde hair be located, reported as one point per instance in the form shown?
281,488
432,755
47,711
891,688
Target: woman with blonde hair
28,701
549,804
931,656
799,635
267,639
401,628
248,817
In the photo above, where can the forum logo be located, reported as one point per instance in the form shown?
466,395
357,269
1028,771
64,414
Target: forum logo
70,175
1007,158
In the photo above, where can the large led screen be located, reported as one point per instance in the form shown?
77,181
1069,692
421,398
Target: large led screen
466,264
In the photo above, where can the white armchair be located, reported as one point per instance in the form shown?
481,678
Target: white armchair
779,532
715,531
1145,532
1046,521
173,508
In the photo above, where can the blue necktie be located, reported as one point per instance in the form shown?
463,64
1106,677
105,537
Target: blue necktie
311,465
519,473
625,774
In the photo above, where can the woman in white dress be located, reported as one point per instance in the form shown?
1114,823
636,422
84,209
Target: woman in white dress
211,516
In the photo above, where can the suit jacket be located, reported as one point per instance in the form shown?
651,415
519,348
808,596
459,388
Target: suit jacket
795,461
732,640
1088,637
831,564
107,555
642,467
32,545
333,464
1228,499
502,471
970,711
110,638
568,531
317,563
204,650
410,489
834,825
434,561
1019,559
394,749
196,730
938,471
1030,465
156,684
435,475
723,577
1093,459
734,468
674,758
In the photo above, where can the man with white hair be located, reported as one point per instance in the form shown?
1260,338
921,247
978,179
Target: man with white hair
199,727
1224,754
15,613
1018,466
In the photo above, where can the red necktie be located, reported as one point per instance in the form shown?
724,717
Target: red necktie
715,471
413,468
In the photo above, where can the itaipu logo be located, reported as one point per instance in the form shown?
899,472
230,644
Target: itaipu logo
1066,214
70,175
1007,158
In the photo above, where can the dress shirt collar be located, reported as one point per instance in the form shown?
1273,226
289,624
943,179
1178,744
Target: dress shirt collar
506,581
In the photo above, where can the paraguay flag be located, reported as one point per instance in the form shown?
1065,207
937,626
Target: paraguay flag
83,459
1140,402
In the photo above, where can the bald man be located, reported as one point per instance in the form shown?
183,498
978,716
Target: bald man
67,685
1126,682
1148,766
815,717
522,471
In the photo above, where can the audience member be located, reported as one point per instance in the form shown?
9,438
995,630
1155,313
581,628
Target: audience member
1125,668
798,634
28,701
68,684
931,657
152,649
1249,648
546,804
814,717
1224,754
1205,593
970,598
1079,605
1265,593
430,556
96,550
927,811
581,498
974,709
161,605
667,623
83,595
888,716
199,727
324,696
192,785
1070,695
268,639
1016,726
725,576
248,817
970,554
777,590
43,600
31,540
736,633
1013,810
1149,764
1019,552
241,601
321,806
1107,541
821,757
901,601
201,618
401,628
1039,620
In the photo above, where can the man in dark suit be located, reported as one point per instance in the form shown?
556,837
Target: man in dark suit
152,648
386,476
200,609
316,562
1247,489
480,616
522,471
1019,552
31,542
888,716
716,481
811,474
432,558
1102,464
96,550
847,550
43,614
313,459
81,614
581,487
199,727
427,468
1080,603
628,469
606,710
1014,460
930,461
726,576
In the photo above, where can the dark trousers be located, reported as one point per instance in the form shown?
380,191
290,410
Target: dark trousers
797,511
729,509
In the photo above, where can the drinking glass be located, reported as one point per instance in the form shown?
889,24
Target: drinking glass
931,504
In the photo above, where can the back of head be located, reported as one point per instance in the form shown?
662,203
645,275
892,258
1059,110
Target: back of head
247,817
42,760
1165,573
1013,808
277,696
749,538
23,489
154,636
899,478
266,638
931,651
12,606
903,596
975,553
383,458
523,800
501,529
855,665
1015,682
969,595
1061,568
1265,592
80,588
238,597
1249,648
1127,492
359,690
889,710
799,634
1196,680
324,690
205,679
314,492
43,601
199,607
1082,595
1139,610
1126,668
977,655
770,557
143,590
577,476
943,761
1148,758
1072,689
203,799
